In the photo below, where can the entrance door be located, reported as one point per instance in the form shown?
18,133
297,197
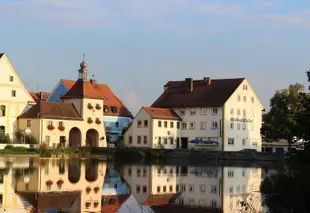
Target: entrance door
184,143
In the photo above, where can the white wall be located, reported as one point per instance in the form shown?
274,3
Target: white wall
197,132
166,132
251,134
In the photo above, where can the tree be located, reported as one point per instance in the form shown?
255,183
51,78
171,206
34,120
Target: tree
286,108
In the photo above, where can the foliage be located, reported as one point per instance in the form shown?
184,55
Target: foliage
29,139
64,151
5,138
10,150
287,105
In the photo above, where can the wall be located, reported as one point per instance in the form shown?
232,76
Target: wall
197,132
60,90
35,128
165,133
14,105
111,130
142,131
163,176
253,112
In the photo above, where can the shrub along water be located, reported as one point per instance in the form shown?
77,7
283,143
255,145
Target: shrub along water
64,151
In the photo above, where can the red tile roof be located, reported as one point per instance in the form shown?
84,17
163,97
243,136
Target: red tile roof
162,113
39,96
114,206
204,94
110,99
52,110
159,200
82,89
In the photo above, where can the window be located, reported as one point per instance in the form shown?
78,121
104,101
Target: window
183,187
239,98
243,173
192,125
245,87
202,188
146,123
231,111
231,190
28,123
214,111
244,126
231,141
139,139
238,111
232,125
171,171
214,125
244,113
144,139
244,99
230,173
254,143
116,124
243,142
47,140
115,186
164,189
50,123
158,189
130,139
138,172
113,109
213,203
61,124
170,188
138,188
159,140
165,141
203,111
171,141
159,123
171,124
165,124
177,188
139,124
193,111
182,112
184,125
129,172
11,78
144,189
13,93
252,100
203,124
191,187
178,140
105,108
2,111
213,189
238,127
178,125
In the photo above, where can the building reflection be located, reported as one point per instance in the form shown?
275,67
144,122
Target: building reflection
59,185
195,189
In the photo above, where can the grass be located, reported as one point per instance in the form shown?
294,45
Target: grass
10,150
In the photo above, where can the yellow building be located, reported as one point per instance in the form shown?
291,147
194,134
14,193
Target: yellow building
77,121
14,98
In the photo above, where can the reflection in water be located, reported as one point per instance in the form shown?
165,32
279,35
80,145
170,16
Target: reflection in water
80,186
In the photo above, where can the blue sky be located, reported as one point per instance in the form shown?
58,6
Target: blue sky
136,46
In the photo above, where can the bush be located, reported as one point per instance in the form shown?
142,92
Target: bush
9,147
4,138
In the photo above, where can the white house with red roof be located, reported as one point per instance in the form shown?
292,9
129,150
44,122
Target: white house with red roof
116,118
154,128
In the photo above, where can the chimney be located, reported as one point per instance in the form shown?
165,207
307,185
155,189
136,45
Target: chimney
93,82
189,84
207,80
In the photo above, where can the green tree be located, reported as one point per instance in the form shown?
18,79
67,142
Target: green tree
286,108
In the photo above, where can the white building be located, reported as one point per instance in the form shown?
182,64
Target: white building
154,128
223,110
14,98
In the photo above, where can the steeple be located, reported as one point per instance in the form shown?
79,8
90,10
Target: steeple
83,69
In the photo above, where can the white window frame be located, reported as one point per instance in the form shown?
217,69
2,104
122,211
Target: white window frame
182,112
203,125
203,111
231,141
214,111
192,111
214,125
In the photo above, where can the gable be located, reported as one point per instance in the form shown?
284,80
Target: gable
57,92
10,81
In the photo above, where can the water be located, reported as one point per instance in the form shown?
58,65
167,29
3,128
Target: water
72,185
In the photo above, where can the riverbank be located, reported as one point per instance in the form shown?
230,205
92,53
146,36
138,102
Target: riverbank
181,155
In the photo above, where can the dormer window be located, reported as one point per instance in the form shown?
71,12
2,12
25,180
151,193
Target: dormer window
105,108
113,109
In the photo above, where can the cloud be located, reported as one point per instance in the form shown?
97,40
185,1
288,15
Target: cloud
133,102
296,19
231,10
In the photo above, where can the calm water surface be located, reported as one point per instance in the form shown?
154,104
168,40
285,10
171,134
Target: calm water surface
72,185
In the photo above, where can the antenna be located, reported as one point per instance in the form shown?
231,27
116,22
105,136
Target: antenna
83,56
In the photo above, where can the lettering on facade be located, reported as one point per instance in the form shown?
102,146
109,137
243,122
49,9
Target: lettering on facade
241,120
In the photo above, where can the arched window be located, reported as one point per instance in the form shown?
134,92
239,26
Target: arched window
2,110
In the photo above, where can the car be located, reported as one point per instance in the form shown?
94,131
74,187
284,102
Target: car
248,150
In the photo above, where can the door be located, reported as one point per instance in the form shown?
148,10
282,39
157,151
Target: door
184,143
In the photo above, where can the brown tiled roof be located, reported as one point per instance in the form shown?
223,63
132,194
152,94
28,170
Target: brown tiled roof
52,110
162,113
39,96
82,89
159,200
113,206
215,94
109,98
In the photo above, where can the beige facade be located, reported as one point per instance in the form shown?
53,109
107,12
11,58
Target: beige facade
14,98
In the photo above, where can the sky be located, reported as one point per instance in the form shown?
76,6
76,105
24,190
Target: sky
136,46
